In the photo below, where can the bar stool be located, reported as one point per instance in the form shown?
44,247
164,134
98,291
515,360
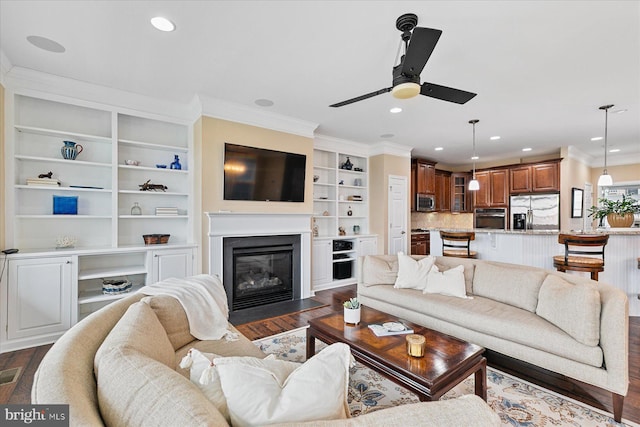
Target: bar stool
458,243
592,263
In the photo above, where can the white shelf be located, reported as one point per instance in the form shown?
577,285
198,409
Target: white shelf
90,297
148,168
351,217
65,161
324,168
325,216
156,193
153,146
62,134
324,200
354,187
153,216
53,188
63,216
323,184
99,273
352,172
352,202
343,260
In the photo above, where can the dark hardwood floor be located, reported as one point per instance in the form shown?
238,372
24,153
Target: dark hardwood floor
28,360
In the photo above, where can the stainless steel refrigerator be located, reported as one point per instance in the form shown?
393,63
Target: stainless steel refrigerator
542,210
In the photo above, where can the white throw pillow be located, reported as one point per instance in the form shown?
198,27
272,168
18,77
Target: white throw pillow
210,383
262,395
448,282
412,274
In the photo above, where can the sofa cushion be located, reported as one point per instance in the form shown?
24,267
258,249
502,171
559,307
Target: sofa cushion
136,390
172,317
139,329
379,270
449,282
412,273
446,263
267,394
514,285
573,308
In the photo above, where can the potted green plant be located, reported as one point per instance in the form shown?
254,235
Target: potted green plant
619,213
352,311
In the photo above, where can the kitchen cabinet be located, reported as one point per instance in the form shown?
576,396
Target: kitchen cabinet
493,190
460,194
38,299
443,191
534,178
420,244
168,263
321,262
425,176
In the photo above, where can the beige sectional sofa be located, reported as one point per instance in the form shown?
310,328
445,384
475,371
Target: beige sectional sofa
561,322
119,366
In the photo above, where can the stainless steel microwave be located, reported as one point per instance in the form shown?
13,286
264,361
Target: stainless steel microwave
425,202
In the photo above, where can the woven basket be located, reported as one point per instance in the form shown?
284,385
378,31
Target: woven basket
155,239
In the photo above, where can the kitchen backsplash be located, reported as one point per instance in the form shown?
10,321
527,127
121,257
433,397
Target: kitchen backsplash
463,221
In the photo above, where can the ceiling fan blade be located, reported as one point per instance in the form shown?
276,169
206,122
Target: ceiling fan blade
421,45
361,97
446,93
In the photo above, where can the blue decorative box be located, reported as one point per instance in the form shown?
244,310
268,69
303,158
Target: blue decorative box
65,205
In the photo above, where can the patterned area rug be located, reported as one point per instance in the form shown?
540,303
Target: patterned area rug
518,403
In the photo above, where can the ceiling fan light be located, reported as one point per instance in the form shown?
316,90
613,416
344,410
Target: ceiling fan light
406,90
605,180
474,185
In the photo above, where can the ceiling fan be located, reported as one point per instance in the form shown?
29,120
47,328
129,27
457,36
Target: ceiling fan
418,44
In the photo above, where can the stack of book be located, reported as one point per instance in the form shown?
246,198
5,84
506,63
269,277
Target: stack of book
166,211
43,181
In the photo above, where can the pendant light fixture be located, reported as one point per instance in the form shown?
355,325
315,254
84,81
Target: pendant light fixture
605,179
474,185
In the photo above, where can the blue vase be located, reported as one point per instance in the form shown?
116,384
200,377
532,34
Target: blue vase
70,150
176,163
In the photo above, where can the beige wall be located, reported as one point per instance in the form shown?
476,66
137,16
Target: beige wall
380,167
2,241
213,133
573,174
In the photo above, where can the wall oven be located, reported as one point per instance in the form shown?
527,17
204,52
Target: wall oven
425,202
494,218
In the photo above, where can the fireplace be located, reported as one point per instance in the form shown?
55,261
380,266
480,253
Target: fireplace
259,270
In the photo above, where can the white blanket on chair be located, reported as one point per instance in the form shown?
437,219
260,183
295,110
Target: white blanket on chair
204,301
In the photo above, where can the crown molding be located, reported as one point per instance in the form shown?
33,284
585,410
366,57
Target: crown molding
23,79
390,148
5,66
225,110
330,143
575,153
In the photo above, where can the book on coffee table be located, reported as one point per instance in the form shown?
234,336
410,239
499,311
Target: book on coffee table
389,328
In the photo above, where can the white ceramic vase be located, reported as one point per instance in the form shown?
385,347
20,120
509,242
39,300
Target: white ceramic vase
352,315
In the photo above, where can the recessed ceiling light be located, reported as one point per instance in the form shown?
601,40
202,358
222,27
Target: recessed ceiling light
162,24
264,102
475,158
46,44
596,138
614,150
438,149
395,110
387,135
526,149
494,138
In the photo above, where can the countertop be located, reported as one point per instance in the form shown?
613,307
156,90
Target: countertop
628,231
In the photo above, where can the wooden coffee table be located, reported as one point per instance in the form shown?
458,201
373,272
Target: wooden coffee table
447,361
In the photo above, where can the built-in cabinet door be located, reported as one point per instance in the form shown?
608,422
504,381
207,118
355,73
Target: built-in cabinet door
367,246
322,262
499,188
39,296
545,177
168,263
482,197
520,179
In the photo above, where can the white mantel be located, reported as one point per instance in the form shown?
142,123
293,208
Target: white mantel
235,224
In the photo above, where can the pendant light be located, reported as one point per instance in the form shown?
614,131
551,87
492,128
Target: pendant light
605,179
474,185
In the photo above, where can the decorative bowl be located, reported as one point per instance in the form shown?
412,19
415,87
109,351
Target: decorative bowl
132,162
115,287
161,166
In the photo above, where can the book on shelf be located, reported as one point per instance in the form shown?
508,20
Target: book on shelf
43,181
166,211
390,328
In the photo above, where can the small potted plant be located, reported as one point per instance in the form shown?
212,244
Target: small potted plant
352,311
619,213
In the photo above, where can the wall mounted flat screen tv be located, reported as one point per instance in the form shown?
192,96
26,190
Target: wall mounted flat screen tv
264,175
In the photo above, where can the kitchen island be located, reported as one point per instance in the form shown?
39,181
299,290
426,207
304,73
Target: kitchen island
537,248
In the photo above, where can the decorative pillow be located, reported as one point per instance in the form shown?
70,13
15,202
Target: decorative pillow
139,329
573,308
449,282
514,285
204,374
136,390
412,274
379,270
172,317
262,395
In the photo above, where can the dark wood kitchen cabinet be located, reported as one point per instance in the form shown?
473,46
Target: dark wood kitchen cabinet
460,194
494,186
420,244
443,191
425,176
535,178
